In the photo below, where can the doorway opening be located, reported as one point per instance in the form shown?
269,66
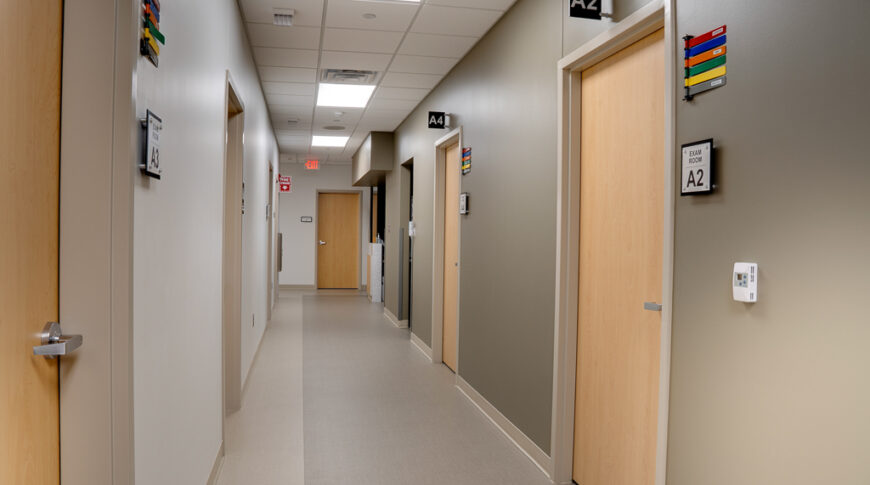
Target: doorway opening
270,261
234,161
407,266
445,271
338,240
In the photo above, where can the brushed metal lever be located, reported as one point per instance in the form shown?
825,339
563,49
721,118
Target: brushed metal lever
54,343
652,306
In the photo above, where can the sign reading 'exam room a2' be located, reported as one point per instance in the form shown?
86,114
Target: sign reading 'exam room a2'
697,176
585,9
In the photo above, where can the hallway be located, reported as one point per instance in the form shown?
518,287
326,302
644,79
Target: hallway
375,410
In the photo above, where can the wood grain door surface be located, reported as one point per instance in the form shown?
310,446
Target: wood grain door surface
450,312
621,224
30,52
338,253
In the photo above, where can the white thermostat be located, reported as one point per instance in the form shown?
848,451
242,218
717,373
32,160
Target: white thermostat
745,282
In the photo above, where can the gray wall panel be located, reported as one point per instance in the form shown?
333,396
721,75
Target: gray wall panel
776,392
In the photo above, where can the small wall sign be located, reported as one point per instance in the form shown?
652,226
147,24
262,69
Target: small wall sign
437,120
585,9
151,34
705,61
152,125
466,160
285,184
306,219
464,209
697,173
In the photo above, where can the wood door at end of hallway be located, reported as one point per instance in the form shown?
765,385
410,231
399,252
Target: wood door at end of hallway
338,218
449,349
30,33
621,237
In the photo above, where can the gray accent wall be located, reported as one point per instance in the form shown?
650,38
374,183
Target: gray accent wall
503,94
778,391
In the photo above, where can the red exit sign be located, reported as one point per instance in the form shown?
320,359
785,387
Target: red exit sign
312,164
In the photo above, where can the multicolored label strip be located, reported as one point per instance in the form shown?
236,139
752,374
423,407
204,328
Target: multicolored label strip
705,61
151,34
466,160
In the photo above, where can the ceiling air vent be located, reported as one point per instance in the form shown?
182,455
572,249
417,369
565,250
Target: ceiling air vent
283,16
348,76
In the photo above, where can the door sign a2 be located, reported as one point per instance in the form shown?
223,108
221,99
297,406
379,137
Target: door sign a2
585,9
697,173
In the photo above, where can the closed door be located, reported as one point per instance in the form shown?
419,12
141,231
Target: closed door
30,36
451,257
621,211
338,253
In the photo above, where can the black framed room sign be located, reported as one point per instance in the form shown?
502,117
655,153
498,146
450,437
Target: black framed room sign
697,168
152,125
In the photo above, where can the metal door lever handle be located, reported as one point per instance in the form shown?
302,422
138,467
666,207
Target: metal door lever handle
54,343
652,306
322,243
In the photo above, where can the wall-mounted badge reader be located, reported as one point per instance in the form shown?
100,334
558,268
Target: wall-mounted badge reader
745,282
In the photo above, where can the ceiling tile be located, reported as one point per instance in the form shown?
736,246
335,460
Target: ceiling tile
289,100
268,35
422,65
409,94
354,60
437,45
271,56
298,112
395,104
349,117
489,4
361,40
434,19
287,74
288,133
348,14
304,89
308,12
282,125
406,80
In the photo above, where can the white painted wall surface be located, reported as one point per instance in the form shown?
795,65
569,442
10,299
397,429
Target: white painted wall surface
300,253
177,239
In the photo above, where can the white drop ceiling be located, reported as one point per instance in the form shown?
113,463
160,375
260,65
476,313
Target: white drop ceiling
411,45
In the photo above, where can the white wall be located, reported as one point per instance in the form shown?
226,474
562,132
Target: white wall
300,253
177,239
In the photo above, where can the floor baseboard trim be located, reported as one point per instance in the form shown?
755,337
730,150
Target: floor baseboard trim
394,319
217,467
523,442
421,346
296,287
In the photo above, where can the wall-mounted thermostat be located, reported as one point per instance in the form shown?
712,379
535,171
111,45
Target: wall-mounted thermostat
463,204
745,282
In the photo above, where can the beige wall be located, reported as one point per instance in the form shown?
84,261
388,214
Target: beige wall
178,228
776,392
300,251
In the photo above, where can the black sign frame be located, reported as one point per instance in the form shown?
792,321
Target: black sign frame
437,120
585,9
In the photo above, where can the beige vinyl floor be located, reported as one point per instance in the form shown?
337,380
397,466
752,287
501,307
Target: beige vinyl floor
339,395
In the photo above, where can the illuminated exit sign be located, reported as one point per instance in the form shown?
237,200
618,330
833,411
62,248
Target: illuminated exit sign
312,164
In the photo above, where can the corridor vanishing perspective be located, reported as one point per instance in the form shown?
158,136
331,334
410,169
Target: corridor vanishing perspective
375,410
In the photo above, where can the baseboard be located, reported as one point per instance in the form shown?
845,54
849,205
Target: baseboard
296,287
394,319
523,442
421,346
217,467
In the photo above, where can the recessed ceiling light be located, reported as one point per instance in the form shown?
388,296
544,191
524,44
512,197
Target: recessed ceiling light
344,95
329,141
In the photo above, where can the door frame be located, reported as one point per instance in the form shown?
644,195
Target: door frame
654,16
360,237
440,184
99,169
231,346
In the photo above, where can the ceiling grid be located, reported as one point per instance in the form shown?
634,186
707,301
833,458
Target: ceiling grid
411,44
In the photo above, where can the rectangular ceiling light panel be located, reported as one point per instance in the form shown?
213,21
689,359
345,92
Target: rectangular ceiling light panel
344,95
329,141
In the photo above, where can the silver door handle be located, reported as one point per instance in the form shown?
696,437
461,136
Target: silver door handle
54,343
322,243
652,306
